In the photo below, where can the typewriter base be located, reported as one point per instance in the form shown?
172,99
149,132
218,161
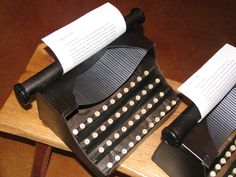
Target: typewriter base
176,163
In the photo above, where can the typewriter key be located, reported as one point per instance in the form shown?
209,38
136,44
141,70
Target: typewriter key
124,109
104,107
94,134
144,92
157,119
132,84
150,86
137,117
75,132
157,80
89,120
155,100
126,90
117,157
162,113
139,78
131,144
109,165
82,126
144,131
161,94
97,113
101,150
138,138
124,151
146,73
173,102
149,105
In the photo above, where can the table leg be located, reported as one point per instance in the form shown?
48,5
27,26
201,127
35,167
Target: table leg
41,160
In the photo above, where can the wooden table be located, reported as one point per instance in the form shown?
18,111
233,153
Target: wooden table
26,123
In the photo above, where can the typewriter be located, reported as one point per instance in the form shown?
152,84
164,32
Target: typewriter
208,150
137,98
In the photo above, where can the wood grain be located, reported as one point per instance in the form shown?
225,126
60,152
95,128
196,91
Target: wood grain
26,123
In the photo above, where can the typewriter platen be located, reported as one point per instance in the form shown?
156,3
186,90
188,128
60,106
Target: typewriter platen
106,106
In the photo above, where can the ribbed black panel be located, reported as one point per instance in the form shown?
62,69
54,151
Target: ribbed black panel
107,75
222,120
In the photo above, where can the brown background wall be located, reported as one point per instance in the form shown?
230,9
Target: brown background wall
187,34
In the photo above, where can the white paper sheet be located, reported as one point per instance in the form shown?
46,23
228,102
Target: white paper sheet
212,81
79,40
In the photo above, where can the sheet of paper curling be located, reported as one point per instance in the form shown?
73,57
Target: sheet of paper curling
85,36
206,87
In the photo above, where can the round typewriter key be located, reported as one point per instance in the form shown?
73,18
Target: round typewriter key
217,167
144,92
234,171
144,131
109,165
157,119
89,120
132,84
139,78
117,114
130,123
112,101
124,109
131,102
149,105
124,151
82,126
150,86
123,129
86,141
151,125
116,135
161,94
110,121
168,108
103,128
137,117
173,102
126,90
228,154
108,143
97,113
117,157
94,134
75,132
232,148
119,95
230,176
143,111
157,80
101,150
212,174
155,100
131,144
162,113
138,97
222,161
146,73
104,107
138,138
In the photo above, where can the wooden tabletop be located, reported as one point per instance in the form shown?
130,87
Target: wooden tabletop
26,123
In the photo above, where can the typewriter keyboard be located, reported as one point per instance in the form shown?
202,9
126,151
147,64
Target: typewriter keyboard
108,131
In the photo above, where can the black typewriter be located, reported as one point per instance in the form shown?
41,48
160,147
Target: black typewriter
106,106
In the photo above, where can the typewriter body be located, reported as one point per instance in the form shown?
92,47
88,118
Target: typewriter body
208,149
106,106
